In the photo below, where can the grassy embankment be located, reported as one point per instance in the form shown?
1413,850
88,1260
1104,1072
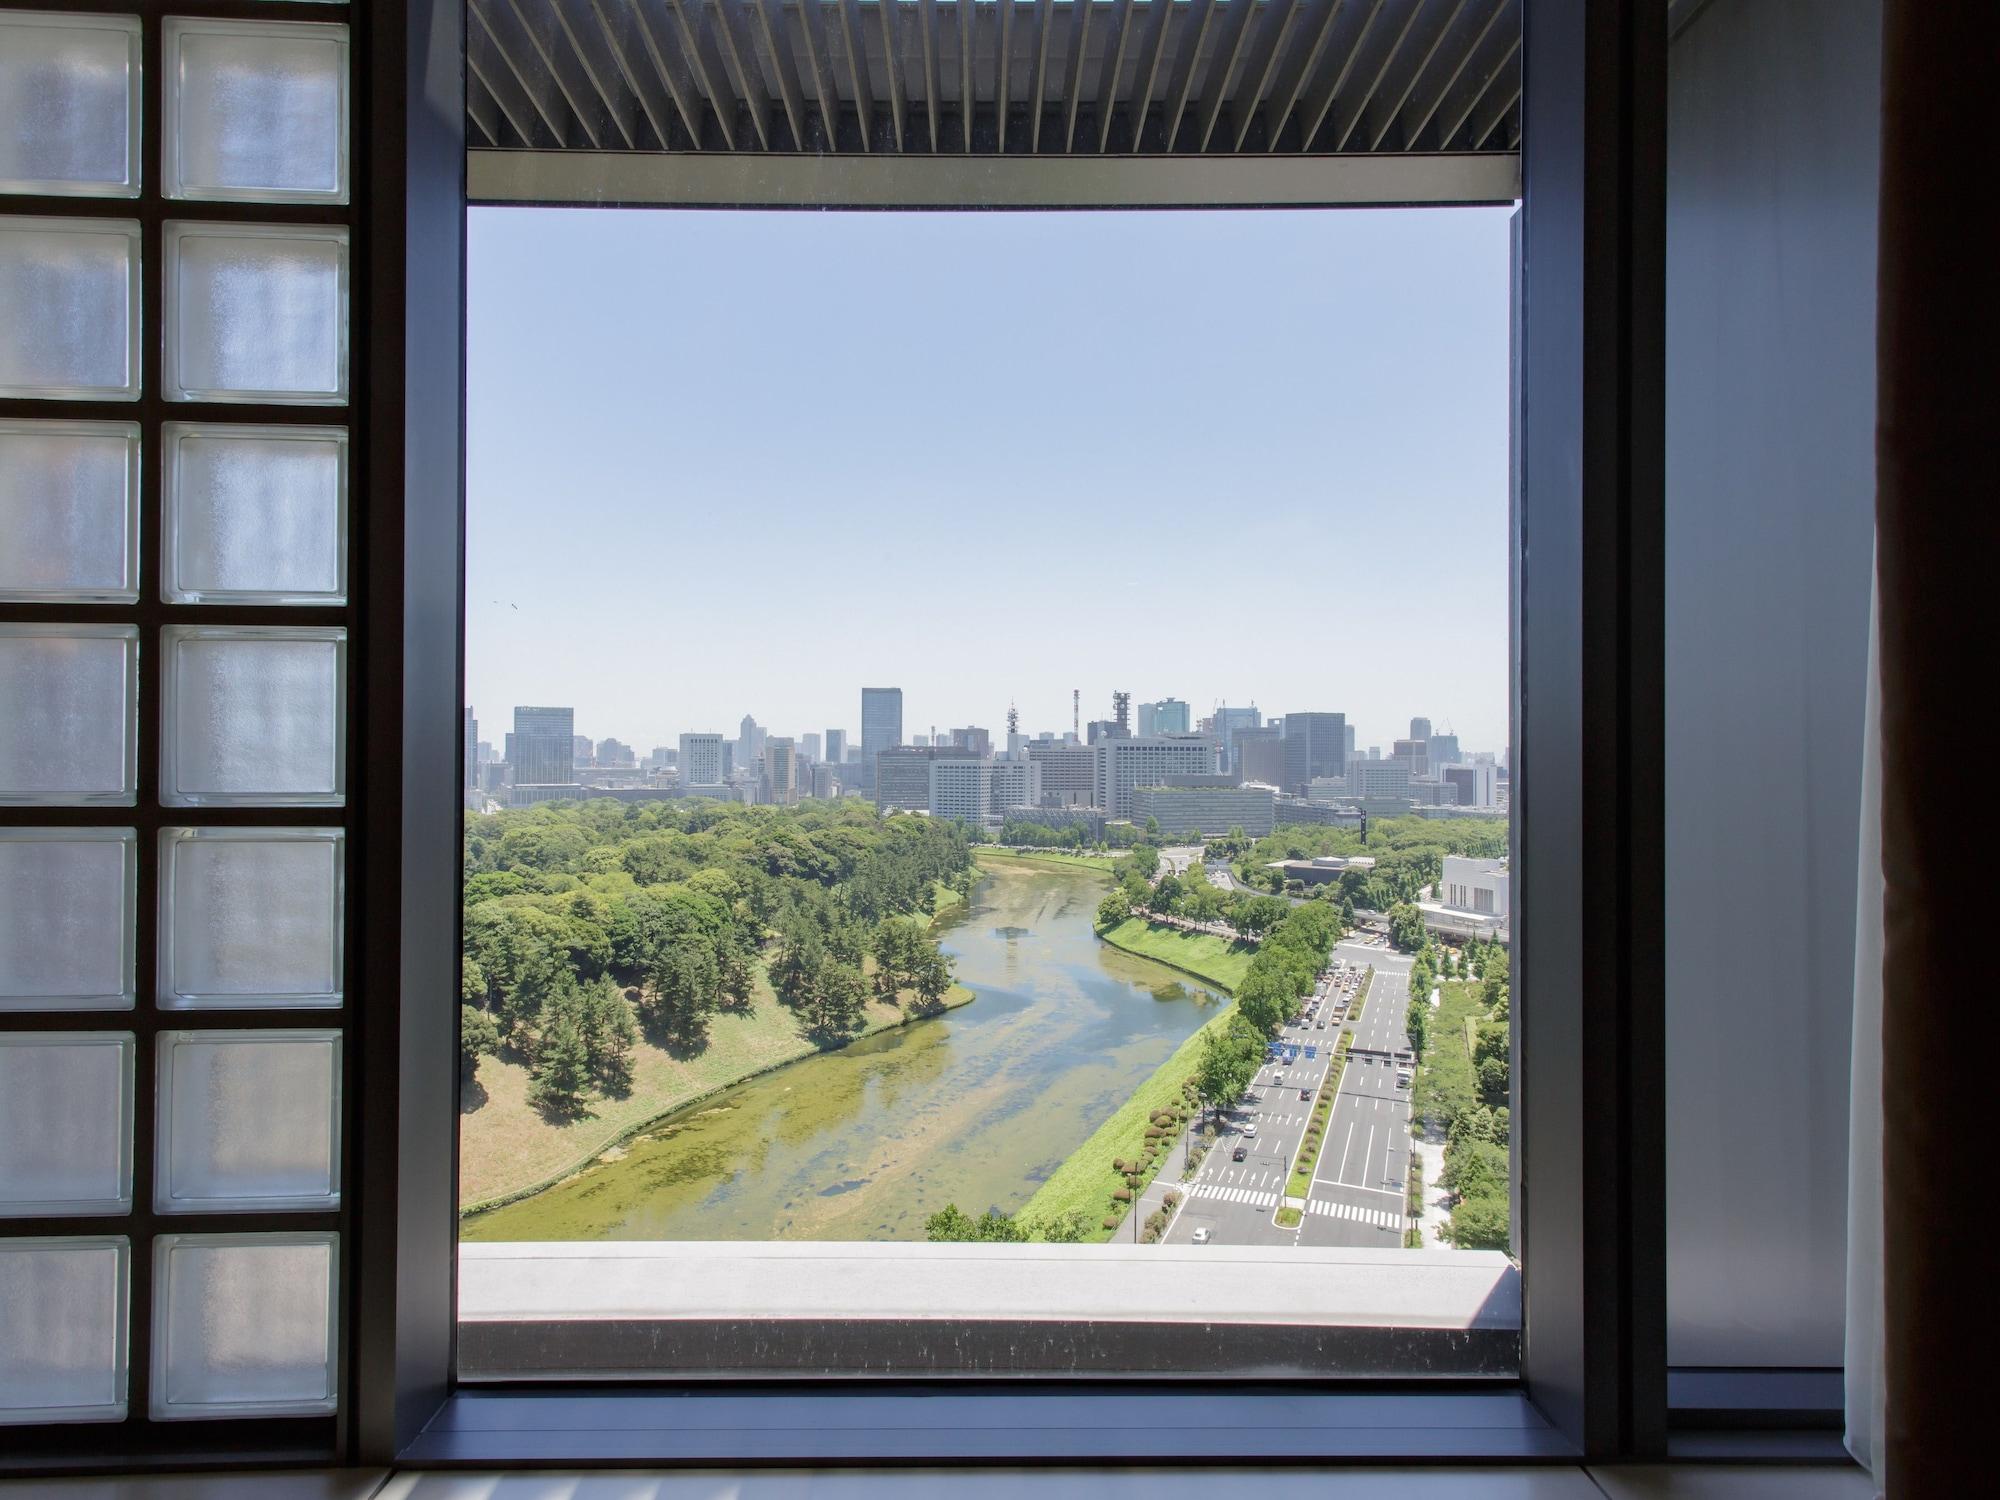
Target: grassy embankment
1097,864
1085,1182
1216,960
1300,1183
509,1150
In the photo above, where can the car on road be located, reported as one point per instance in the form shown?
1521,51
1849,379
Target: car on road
1402,1078
1312,1052
1277,1078
1241,1153
1305,1093
1250,1129
1201,1237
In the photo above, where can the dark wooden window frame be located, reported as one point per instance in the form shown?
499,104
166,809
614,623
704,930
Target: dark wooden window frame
1586,658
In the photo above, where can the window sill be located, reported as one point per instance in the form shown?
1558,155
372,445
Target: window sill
688,1310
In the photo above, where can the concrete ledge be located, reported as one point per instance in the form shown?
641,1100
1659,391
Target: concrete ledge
562,1310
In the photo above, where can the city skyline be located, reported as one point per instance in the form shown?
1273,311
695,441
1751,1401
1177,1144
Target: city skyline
1293,493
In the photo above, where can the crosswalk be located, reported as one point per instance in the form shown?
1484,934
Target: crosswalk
1377,1216
1262,1198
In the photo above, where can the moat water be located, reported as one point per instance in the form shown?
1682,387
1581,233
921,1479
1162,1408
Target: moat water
976,1107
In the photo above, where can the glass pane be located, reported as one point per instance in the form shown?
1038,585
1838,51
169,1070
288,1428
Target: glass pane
243,1325
256,313
250,917
256,514
69,510
256,110
69,117
65,1122
66,917
62,1304
69,309
248,1120
67,714
253,716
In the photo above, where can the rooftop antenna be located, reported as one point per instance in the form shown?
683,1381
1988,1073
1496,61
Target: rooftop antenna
1013,718
1121,710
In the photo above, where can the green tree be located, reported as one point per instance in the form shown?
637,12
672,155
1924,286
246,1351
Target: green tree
1228,1062
1406,927
1417,1022
1481,1223
609,1034
932,977
683,987
835,999
801,955
561,1080
1113,909
477,1037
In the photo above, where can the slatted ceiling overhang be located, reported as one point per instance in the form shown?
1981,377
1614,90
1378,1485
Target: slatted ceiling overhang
996,77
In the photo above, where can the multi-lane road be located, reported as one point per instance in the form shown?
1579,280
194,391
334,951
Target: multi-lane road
1357,1193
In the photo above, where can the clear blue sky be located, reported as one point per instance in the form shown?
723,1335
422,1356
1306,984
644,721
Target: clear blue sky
729,463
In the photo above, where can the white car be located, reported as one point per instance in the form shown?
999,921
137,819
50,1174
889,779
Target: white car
1201,1236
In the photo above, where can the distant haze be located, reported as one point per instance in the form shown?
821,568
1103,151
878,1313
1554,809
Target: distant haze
730,463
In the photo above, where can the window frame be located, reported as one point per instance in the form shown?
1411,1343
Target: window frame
1586,653
1587,589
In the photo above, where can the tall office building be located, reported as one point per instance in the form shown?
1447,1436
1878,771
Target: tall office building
1350,741
809,747
781,769
1444,751
903,777
542,748
1124,765
881,721
1413,753
1168,716
583,753
471,781
1068,771
1420,729
1315,745
615,752
701,760
750,736
972,738
836,746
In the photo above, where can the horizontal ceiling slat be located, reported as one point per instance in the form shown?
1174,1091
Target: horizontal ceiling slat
859,76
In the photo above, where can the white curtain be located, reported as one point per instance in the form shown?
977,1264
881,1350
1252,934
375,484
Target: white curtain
1864,1141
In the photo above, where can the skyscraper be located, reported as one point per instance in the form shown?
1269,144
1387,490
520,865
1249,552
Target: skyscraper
1420,729
881,721
836,746
1315,745
1168,716
471,783
809,747
701,760
543,749
781,769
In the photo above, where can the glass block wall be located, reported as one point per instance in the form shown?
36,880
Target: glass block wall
177,384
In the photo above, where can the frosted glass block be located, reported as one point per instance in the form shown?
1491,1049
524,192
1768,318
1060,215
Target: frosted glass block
66,918
255,514
248,1120
256,110
256,313
250,917
69,309
65,1122
253,715
69,104
68,714
69,511
243,1325
62,1306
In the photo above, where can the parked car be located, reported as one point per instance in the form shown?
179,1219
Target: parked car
1241,1153
1201,1236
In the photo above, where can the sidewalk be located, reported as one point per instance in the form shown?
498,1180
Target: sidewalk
1435,1215
1168,1180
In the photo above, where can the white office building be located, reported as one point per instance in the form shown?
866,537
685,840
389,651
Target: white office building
1182,810
1123,766
701,760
